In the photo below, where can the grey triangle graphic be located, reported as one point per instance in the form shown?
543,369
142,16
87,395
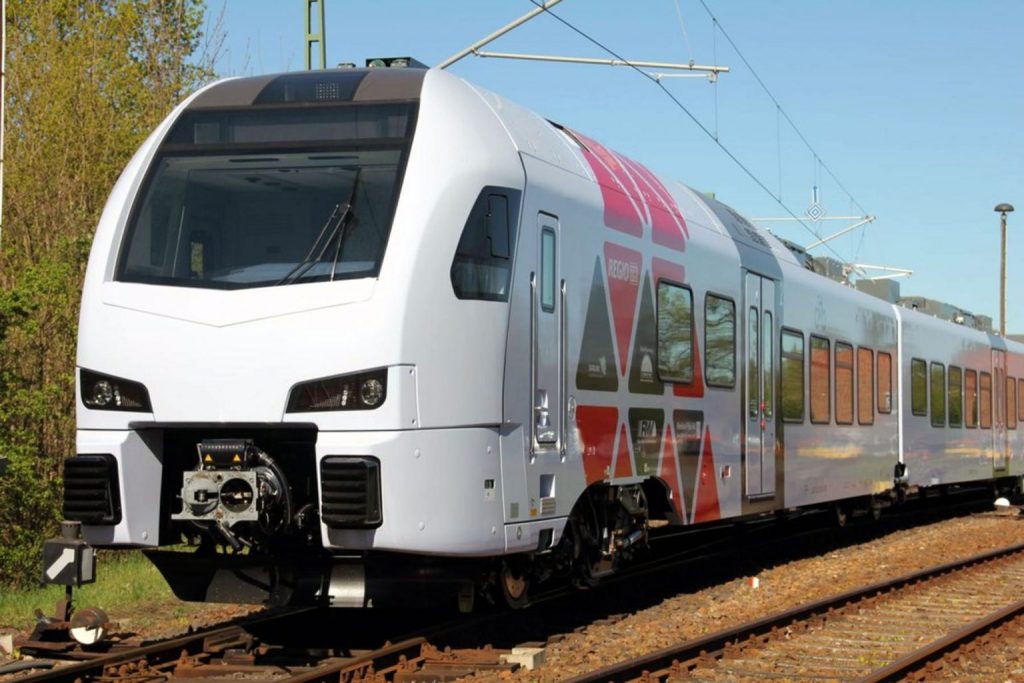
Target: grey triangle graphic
597,369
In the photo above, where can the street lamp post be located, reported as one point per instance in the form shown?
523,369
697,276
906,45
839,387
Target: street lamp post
1003,209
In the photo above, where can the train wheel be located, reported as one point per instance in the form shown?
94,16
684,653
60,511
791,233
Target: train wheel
514,581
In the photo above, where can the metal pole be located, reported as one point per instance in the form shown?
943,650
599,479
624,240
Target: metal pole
497,34
317,38
1002,210
1002,282
603,61
3,96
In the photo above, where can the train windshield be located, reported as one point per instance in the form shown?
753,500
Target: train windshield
260,198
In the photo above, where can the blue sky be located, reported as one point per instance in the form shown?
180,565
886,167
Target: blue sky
916,106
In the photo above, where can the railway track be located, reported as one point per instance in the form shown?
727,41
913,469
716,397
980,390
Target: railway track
253,650
883,632
239,652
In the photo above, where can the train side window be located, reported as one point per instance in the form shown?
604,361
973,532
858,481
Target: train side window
482,267
675,333
768,366
971,396
938,395
821,405
792,376
918,387
753,363
720,341
1011,403
956,396
844,384
884,382
1020,402
985,396
547,270
865,386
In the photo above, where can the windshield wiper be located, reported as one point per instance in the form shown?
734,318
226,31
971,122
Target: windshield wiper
334,230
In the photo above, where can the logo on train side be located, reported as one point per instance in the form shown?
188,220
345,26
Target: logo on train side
626,271
634,198
622,266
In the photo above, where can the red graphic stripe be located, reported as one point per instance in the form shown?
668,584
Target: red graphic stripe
706,507
597,432
667,224
622,205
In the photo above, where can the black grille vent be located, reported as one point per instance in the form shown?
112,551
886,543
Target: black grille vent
91,493
350,494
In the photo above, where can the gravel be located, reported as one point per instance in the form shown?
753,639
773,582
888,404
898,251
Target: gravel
690,615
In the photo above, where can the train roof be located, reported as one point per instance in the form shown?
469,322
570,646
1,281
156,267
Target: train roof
313,87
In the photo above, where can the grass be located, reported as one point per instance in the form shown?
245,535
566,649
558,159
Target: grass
127,587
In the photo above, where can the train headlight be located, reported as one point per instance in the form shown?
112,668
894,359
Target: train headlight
360,391
371,392
103,392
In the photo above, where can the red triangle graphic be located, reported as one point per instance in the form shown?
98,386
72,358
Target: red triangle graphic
623,267
623,461
670,473
597,432
706,506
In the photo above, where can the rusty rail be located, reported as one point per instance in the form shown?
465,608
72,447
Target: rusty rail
917,659
687,654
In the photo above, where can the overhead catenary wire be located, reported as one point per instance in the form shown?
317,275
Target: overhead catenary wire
690,115
682,27
768,92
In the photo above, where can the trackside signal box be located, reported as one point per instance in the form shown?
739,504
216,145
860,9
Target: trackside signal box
68,560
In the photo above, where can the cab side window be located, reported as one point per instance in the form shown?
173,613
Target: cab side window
482,267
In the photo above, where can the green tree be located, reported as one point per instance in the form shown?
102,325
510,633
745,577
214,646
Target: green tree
87,80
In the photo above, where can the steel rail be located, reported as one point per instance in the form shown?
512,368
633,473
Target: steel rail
382,659
716,643
919,658
160,652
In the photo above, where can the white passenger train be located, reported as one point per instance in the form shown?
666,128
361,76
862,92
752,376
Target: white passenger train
346,326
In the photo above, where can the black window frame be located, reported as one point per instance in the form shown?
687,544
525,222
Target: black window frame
545,278
971,400
981,403
1020,403
707,347
958,395
886,410
785,356
657,338
835,380
937,389
482,209
923,364
859,398
1011,411
171,147
828,378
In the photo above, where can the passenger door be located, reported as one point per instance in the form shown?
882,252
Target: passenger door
547,344
759,386
1000,438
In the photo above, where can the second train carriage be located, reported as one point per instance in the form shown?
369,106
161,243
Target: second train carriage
343,318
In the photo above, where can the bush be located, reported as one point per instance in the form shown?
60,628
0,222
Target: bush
87,80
